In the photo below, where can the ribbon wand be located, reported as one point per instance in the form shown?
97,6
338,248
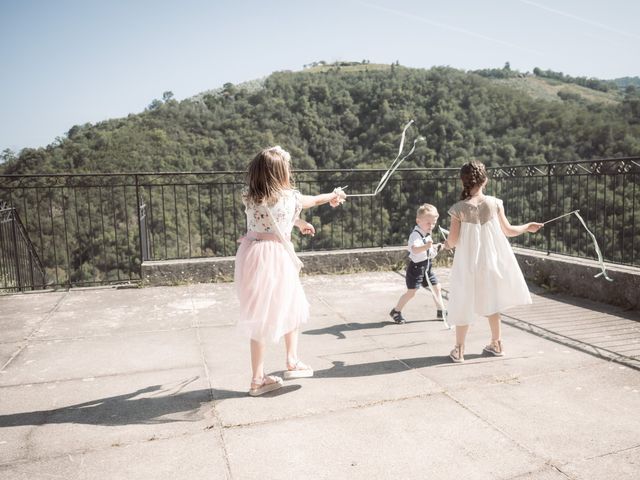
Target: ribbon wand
559,217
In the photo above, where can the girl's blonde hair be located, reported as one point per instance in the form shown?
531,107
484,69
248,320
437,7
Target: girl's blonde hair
268,174
472,174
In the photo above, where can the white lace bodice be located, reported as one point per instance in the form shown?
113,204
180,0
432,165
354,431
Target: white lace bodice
480,214
285,211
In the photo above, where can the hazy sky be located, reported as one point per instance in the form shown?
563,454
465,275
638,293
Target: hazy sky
68,62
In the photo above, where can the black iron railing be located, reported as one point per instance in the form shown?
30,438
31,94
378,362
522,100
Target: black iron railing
20,266
96,229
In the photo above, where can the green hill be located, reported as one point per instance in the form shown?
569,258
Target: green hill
554,90
350,115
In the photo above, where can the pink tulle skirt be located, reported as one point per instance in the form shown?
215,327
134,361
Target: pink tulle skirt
272,301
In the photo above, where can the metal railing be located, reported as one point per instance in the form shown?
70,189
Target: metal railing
20,266
96,229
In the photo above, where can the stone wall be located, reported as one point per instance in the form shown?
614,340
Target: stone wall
557,273
575,276
204,270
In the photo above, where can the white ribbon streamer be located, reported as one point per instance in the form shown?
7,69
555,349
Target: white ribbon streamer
598,252
593,237
394,165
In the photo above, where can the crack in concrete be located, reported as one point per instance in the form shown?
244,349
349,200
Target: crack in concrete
35,329
214,410
613,453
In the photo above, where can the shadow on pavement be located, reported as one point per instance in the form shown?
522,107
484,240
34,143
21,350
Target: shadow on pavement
127,410
340,370
337,330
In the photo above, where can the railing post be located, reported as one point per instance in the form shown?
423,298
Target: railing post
16,257
380,202
138,213
548,213
144,234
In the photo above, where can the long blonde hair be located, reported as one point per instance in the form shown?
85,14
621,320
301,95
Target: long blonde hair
472,174
268,174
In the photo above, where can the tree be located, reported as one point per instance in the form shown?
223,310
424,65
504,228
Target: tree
7,156
166,96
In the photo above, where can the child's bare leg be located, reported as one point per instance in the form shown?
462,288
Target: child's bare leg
495,347
291,344
457,354
461,334
295,368
495,326
408,295
257,360
437,296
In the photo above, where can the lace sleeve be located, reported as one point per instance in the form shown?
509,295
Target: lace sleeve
456,212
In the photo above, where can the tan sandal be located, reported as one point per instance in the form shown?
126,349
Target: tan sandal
495,348
457,354
298,370
263,385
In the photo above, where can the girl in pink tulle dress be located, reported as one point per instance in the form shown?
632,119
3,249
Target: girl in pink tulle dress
272,302
485,276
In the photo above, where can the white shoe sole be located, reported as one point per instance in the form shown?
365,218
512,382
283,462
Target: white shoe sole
495,354
290,374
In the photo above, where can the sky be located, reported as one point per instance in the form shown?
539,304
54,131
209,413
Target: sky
69,62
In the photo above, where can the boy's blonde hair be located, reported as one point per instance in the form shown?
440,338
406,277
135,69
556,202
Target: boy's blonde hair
426,209
268,174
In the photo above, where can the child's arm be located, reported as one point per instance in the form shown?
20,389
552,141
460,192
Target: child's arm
515,230
420,246
454,234
334,198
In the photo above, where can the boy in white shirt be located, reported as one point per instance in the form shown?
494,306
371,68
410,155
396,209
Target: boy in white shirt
419,272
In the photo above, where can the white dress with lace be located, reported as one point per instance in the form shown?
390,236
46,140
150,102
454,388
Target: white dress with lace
485,276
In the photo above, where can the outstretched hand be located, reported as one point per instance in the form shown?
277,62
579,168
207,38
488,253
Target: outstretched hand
305,228
533,227
339,197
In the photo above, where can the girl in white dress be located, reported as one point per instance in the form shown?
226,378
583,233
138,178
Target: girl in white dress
272,302
485,276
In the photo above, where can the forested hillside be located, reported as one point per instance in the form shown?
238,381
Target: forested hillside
351,116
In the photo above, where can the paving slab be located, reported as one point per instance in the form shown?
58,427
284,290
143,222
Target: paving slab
432,437
55,418
571,415
191,456
55,360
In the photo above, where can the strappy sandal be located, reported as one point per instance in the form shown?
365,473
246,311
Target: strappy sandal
299,370
264,385
495,348
457,354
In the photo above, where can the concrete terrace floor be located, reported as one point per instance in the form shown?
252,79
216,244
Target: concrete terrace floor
151,384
